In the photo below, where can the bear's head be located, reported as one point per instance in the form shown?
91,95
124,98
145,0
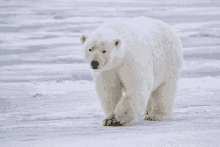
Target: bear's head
101,54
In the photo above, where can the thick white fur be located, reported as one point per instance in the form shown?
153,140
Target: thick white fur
145,65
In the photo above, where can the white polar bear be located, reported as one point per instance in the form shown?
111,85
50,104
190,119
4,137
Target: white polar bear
136,64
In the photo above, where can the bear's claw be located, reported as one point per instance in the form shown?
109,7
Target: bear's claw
112,122
149,119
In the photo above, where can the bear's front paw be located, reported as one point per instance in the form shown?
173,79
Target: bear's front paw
157,117
111,121
149,118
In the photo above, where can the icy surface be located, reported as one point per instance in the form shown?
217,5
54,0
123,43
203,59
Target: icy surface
47,97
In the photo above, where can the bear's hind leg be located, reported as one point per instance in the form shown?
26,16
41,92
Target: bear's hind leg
162,101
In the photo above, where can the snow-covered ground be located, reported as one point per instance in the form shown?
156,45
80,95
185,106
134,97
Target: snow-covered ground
47,96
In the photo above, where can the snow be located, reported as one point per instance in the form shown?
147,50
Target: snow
47,96
71,117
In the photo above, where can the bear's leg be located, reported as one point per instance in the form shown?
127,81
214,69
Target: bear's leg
137,91
162,101
130,106
149,105
108,87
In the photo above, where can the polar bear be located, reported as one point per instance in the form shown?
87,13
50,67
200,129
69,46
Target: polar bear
135,65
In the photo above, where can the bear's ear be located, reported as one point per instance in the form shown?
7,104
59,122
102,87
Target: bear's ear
83,39
117,42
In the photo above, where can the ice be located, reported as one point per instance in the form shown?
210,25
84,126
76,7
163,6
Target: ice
194,11
59,87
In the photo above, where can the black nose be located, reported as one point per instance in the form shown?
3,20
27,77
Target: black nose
95,64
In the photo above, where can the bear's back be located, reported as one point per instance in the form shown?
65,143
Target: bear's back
130,30
136,25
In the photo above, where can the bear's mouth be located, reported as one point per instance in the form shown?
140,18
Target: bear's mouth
94,64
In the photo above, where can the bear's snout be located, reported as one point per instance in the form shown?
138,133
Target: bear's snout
95,64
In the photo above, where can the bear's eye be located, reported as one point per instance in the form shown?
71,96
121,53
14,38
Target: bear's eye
90,50
116,43
103,51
